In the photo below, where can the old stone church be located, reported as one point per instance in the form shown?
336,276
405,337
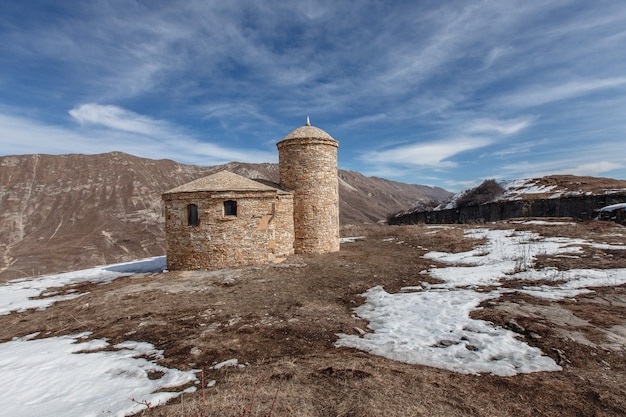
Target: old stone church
226,220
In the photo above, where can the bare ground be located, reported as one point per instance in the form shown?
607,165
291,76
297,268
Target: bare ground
282,320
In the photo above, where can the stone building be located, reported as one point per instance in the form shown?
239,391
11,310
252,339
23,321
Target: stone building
226,220
307,160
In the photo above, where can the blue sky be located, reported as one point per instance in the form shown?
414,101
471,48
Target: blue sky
444,93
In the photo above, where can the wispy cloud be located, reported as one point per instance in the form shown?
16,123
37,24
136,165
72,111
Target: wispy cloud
373,118
595,168
465,89
20,135
539,95
430,154
472,135
117,118
496,54
110,128
502,127
514,150
591,166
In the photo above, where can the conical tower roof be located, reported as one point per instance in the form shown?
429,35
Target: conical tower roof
222,181
308,132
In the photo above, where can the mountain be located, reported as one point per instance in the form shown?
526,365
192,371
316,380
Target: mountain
548,187
68,212
550,196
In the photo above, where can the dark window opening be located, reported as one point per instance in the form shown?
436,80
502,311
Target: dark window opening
230,208
192,215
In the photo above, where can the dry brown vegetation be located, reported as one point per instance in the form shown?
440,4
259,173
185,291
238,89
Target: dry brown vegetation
489,190
282,321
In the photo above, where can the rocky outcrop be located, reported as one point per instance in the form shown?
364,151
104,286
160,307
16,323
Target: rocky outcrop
615,213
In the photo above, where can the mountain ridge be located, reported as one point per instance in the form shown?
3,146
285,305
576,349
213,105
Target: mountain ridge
549,196
65,212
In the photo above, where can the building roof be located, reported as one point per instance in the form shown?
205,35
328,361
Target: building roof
223,181
307,131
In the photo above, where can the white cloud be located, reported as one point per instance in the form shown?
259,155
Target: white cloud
23,136
503,127
547,94
472,134
596,168
511,150
240,111
364,120
572,165
111,128
495,54
114,117
242,73
434,154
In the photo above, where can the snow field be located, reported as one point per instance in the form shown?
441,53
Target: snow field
17,295
428,325
431,325
71,376
433,328
68,376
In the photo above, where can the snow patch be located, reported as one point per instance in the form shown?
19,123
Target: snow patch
70,376
22,294
431,325
350,239
228,363
613,207
544,222
517,188
433,328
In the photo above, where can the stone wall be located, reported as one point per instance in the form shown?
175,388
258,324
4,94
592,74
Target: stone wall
308,166
262,231
577,207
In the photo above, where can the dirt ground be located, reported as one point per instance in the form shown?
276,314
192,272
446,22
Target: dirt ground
281,322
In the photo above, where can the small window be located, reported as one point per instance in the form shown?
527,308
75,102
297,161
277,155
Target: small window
192,215
230,208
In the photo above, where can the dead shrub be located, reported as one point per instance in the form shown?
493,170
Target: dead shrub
488,191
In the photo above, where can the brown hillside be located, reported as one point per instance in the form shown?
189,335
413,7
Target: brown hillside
282,321
68,212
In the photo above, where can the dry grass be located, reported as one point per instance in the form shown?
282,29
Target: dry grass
283,320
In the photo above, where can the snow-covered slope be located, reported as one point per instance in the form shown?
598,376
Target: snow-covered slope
554,186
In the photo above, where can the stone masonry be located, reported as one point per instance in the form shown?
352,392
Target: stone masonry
308,165
260,232
226,220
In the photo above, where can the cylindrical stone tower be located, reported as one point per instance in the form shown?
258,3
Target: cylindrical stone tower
307,159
